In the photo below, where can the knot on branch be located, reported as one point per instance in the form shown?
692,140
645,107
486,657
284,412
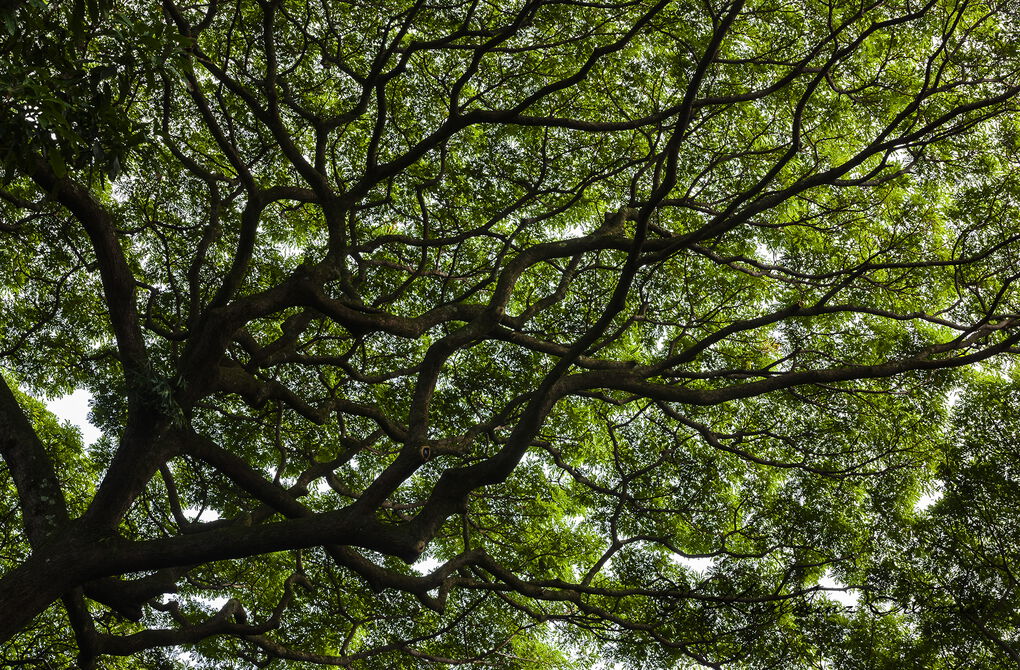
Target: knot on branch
616,219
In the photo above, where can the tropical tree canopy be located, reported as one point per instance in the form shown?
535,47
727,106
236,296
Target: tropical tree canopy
522,334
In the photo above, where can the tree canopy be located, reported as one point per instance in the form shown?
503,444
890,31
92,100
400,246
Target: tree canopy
530,334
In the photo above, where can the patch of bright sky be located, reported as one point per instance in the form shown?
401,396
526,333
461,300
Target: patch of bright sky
930,496
846,598
701,566
198,515
319,486
288,250
426,566
215,603
75,408
765,252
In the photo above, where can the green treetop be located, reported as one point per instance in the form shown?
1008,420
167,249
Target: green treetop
531,334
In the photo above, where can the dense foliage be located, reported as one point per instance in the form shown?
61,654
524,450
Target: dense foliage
528,334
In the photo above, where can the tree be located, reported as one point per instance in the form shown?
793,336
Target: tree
526,334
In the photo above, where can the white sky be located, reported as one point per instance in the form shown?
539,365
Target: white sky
845,598
75,408
927,500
